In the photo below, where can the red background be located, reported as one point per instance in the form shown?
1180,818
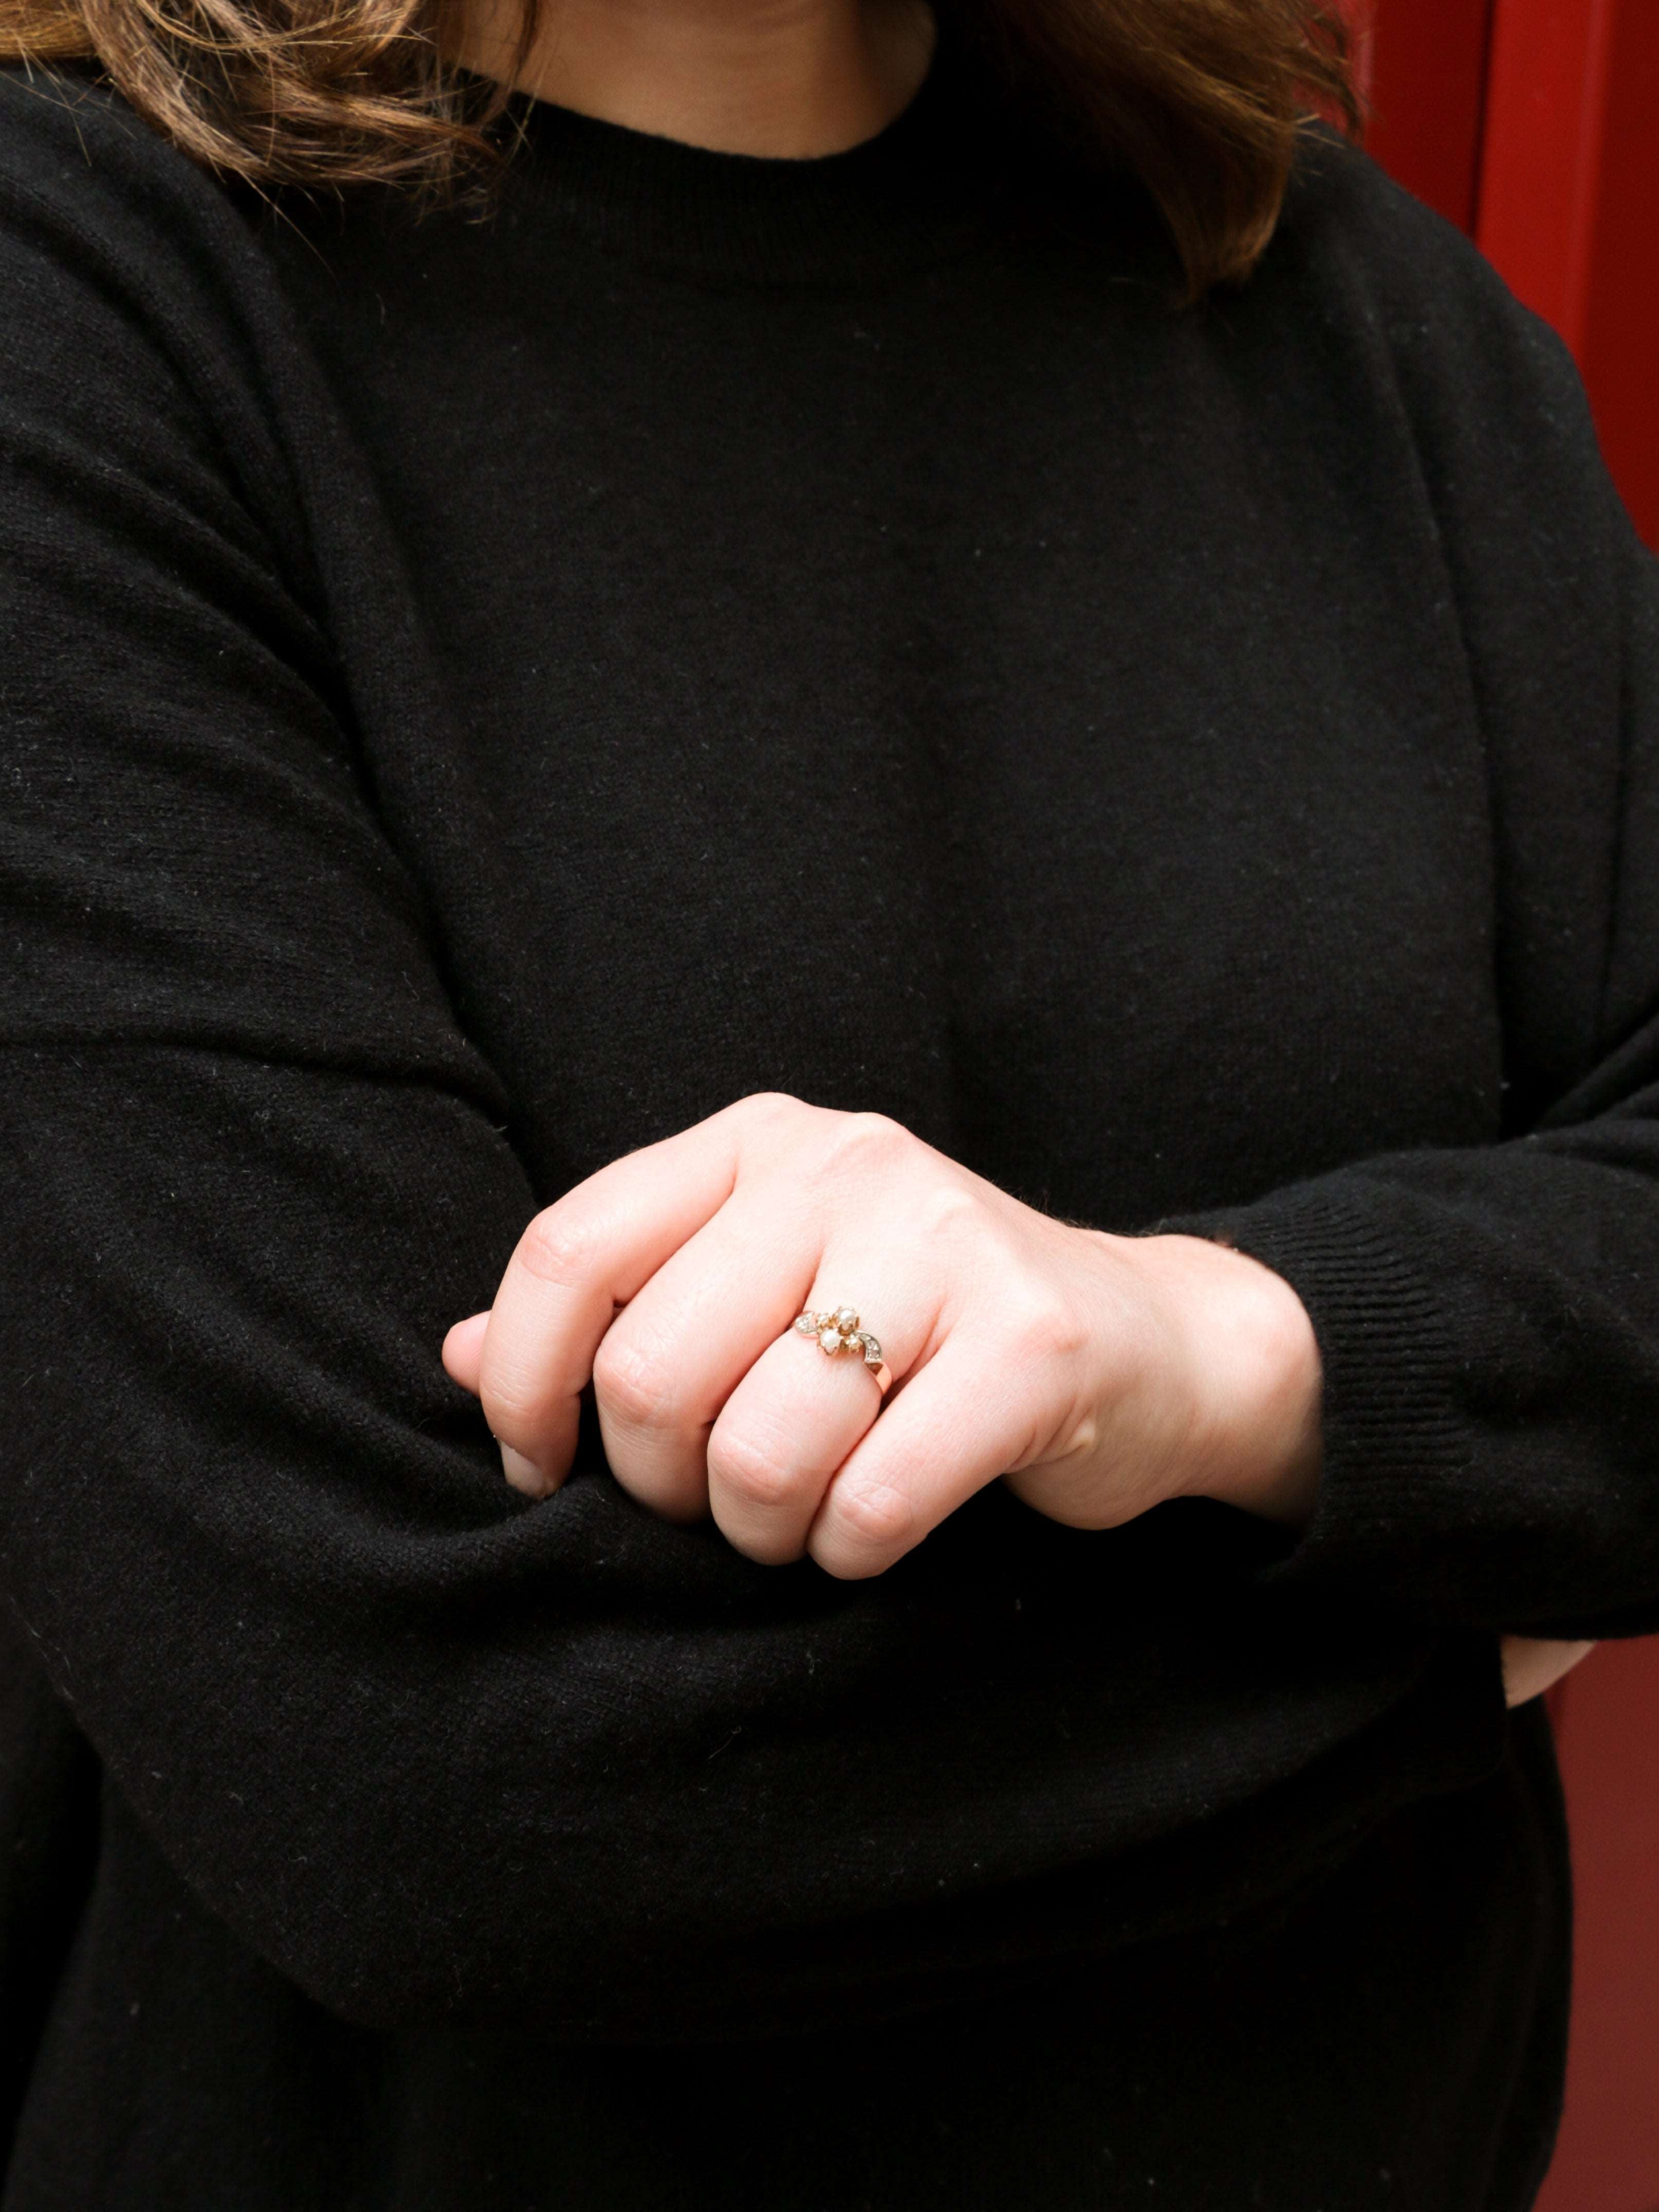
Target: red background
1534,125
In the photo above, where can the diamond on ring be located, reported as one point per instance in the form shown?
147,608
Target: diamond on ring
839,1332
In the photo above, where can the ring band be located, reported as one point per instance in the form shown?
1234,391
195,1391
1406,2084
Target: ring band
839,1332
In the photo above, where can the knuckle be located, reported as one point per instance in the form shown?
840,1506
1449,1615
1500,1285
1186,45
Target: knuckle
635,1385
559,1247
767,1125
766,1107
753,1471
954,1212
1036,1324
515,1407
861,1144
876,1516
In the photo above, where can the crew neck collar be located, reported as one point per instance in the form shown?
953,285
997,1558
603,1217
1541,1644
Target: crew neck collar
919,191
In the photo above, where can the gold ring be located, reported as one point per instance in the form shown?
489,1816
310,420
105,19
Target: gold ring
839,1332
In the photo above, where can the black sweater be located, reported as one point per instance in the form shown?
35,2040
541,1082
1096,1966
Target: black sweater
481,694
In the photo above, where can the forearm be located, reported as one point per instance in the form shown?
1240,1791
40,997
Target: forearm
1488,1328
428,1748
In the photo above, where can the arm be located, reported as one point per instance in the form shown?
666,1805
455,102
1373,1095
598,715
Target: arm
1483,1318
1488,1318
423,1748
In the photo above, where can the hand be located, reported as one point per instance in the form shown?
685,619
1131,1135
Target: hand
1533,1664
1098,1374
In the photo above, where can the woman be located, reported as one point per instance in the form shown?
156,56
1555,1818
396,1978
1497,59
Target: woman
955,734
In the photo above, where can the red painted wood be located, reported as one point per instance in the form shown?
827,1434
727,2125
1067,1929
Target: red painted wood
1541,168
1569,204
1608,2157
1426,63
1620,345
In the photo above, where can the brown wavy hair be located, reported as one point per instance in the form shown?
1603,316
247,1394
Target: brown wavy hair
1202,100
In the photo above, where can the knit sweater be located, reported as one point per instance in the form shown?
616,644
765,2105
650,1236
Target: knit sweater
480,692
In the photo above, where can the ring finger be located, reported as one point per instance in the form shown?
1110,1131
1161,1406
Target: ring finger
798,1412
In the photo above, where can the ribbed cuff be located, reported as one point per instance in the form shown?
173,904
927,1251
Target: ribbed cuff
1397,1431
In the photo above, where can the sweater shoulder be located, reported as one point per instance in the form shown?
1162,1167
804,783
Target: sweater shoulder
1361,253
1342,207
79,166
140,315
1379,293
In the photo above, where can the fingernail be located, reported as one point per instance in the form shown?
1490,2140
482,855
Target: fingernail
524,1474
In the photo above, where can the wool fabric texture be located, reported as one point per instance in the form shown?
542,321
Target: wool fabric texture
478,694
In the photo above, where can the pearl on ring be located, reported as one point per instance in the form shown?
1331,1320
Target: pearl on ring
839,1332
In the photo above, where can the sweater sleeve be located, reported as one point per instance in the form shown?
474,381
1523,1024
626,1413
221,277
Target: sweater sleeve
1489,1316
426,1747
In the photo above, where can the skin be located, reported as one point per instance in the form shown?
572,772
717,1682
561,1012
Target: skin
787,79
1097,1376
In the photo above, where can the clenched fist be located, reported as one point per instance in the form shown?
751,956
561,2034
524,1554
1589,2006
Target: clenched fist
1097,1374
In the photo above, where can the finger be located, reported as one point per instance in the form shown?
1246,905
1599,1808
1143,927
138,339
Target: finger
464,1351
799,1414
463,1355
957,1425
673,1356
576,1262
